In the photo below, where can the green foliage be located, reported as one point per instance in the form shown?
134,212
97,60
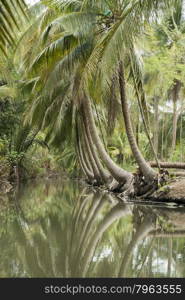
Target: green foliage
71,48
8,117
11,16
14,157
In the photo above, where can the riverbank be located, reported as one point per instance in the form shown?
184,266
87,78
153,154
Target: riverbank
172,191
7,186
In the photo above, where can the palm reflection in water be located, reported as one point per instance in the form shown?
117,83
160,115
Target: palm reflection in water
63,229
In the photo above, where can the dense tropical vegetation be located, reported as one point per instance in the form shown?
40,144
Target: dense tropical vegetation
94,88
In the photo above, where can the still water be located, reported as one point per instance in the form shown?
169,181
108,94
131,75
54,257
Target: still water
62,228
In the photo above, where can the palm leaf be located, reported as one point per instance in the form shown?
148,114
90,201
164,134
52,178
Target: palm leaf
11,13
54,52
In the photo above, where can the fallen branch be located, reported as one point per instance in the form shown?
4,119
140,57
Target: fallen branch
161,233
168,165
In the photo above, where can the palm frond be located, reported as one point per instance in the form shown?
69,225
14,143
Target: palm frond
54,52
11,15
20,137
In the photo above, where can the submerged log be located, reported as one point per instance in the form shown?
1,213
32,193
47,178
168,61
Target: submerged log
168,165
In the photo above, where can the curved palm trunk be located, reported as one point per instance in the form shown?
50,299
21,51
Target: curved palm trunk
86,158
137,130
145,168
86,161
91,158
87,172
106,177
81,166
118,173
85,169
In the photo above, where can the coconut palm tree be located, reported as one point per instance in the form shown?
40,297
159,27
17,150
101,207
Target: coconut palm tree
146,170
118,173
71,48
79,43
169,35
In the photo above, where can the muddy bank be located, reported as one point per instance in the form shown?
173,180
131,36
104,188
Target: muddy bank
173,191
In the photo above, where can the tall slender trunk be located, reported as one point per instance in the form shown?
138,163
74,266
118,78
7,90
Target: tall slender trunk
80,161
174,128
88,173
83,165
162,139
118,173
175,97
144,114
181,130
106,177
137,130
86,157
112,106
156,124
145,168
84,154
91,158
